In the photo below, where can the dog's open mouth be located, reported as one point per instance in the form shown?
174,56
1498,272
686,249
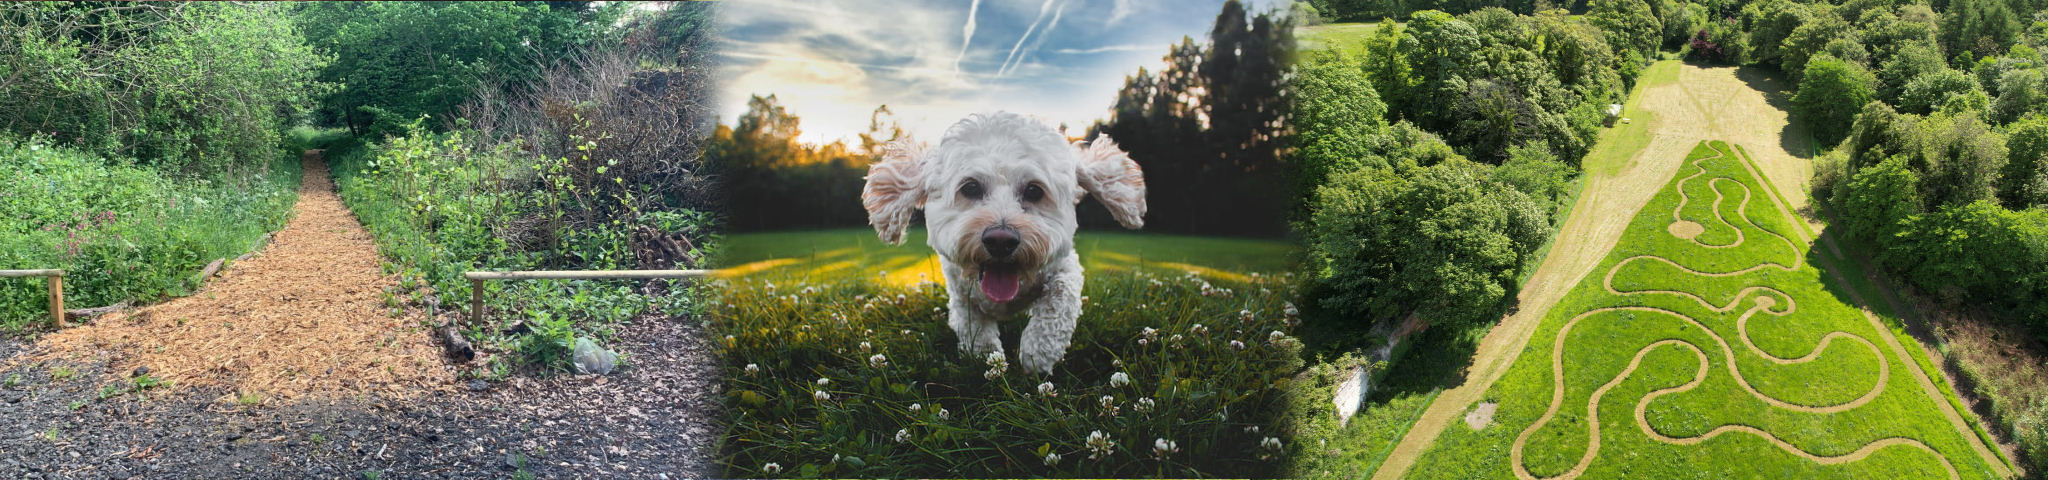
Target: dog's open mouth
999,281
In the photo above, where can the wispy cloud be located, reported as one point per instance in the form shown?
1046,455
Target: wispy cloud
831,62
966,33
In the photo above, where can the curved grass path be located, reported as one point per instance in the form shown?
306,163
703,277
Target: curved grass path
1808,392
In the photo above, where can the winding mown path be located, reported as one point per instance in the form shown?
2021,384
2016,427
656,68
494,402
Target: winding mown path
1810,389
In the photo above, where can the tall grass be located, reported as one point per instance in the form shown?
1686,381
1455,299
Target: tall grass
123,231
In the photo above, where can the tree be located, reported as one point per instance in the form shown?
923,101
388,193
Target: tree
1959,158
1770,22
1337,117
1932,91
1876,203
1630,26
2024,182
399,61
1386,63
2020,93
1825,34
1829,96
1442,242
1978,27
1911,61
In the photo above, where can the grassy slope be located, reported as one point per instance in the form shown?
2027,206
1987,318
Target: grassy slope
1344,36
1433,363
1599,346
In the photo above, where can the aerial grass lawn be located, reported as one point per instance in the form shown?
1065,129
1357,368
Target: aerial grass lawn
1345,37
1707,345
837,362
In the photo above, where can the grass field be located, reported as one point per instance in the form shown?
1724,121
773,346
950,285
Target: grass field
837,362
1707,345
1346,37
828,254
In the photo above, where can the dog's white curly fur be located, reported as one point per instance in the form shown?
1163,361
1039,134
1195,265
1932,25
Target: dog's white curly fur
1028,178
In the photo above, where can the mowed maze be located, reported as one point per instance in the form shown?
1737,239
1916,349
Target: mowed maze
1706,344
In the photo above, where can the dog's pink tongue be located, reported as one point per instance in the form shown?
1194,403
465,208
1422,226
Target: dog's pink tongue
999,285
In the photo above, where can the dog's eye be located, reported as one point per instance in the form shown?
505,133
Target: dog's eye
1033,192
971,190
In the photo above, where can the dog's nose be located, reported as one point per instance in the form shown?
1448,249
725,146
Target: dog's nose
1000,241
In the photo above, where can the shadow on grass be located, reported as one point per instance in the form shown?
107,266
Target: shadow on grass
1777,92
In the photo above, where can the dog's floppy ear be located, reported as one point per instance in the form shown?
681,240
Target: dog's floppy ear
895,189
1109,174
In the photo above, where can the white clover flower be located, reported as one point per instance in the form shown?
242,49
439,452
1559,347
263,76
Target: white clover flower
992,374
1163,448
882,274
1100,445
867,347
1175,340
1119,380
1144,405
996,359
753,369
1046,389
1251,429
1290,310
916,407
1052,459
1198,329
945,414
771,288
878,361
808,290
1149,332
772,468
1245,314
1237,345
1142,342
1270,443
823,382
822,396
1108,402
1275,336
907,332
903,435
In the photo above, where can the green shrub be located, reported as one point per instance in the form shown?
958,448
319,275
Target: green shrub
1443,241
854,379
122,231
440,205
1830,94
1879,200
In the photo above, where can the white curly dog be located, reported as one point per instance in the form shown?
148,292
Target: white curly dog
998,195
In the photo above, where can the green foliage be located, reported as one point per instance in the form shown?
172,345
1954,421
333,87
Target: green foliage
2024,181
192,88
1879,200
1337,118
1981,252
1444,242
2020,93
122,231
397,61
1829,96
838,375
1938,90
1823,35
1770,23
1959,157
443,204
1979,27
1910,63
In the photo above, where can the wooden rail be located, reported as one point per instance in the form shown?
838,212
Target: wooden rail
476,281
56,280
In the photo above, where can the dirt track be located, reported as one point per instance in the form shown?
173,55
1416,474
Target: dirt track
1704,103
302,317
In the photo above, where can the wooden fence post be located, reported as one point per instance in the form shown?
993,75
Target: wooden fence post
57,301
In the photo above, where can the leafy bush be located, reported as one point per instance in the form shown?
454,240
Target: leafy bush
1443,242
1829,96
1173,375
203,87
444,204
1934,91
122,231
1987,253
1879,200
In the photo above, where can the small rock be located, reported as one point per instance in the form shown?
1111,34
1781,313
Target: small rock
513,461
591,358
479,385
140,371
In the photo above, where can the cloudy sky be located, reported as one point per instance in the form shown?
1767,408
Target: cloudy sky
934,61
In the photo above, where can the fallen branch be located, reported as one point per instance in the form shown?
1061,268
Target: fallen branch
97,311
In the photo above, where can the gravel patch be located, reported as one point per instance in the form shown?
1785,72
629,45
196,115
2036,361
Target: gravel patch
653,418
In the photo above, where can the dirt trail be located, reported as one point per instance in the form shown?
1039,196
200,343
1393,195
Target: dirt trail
304,317
1703,103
